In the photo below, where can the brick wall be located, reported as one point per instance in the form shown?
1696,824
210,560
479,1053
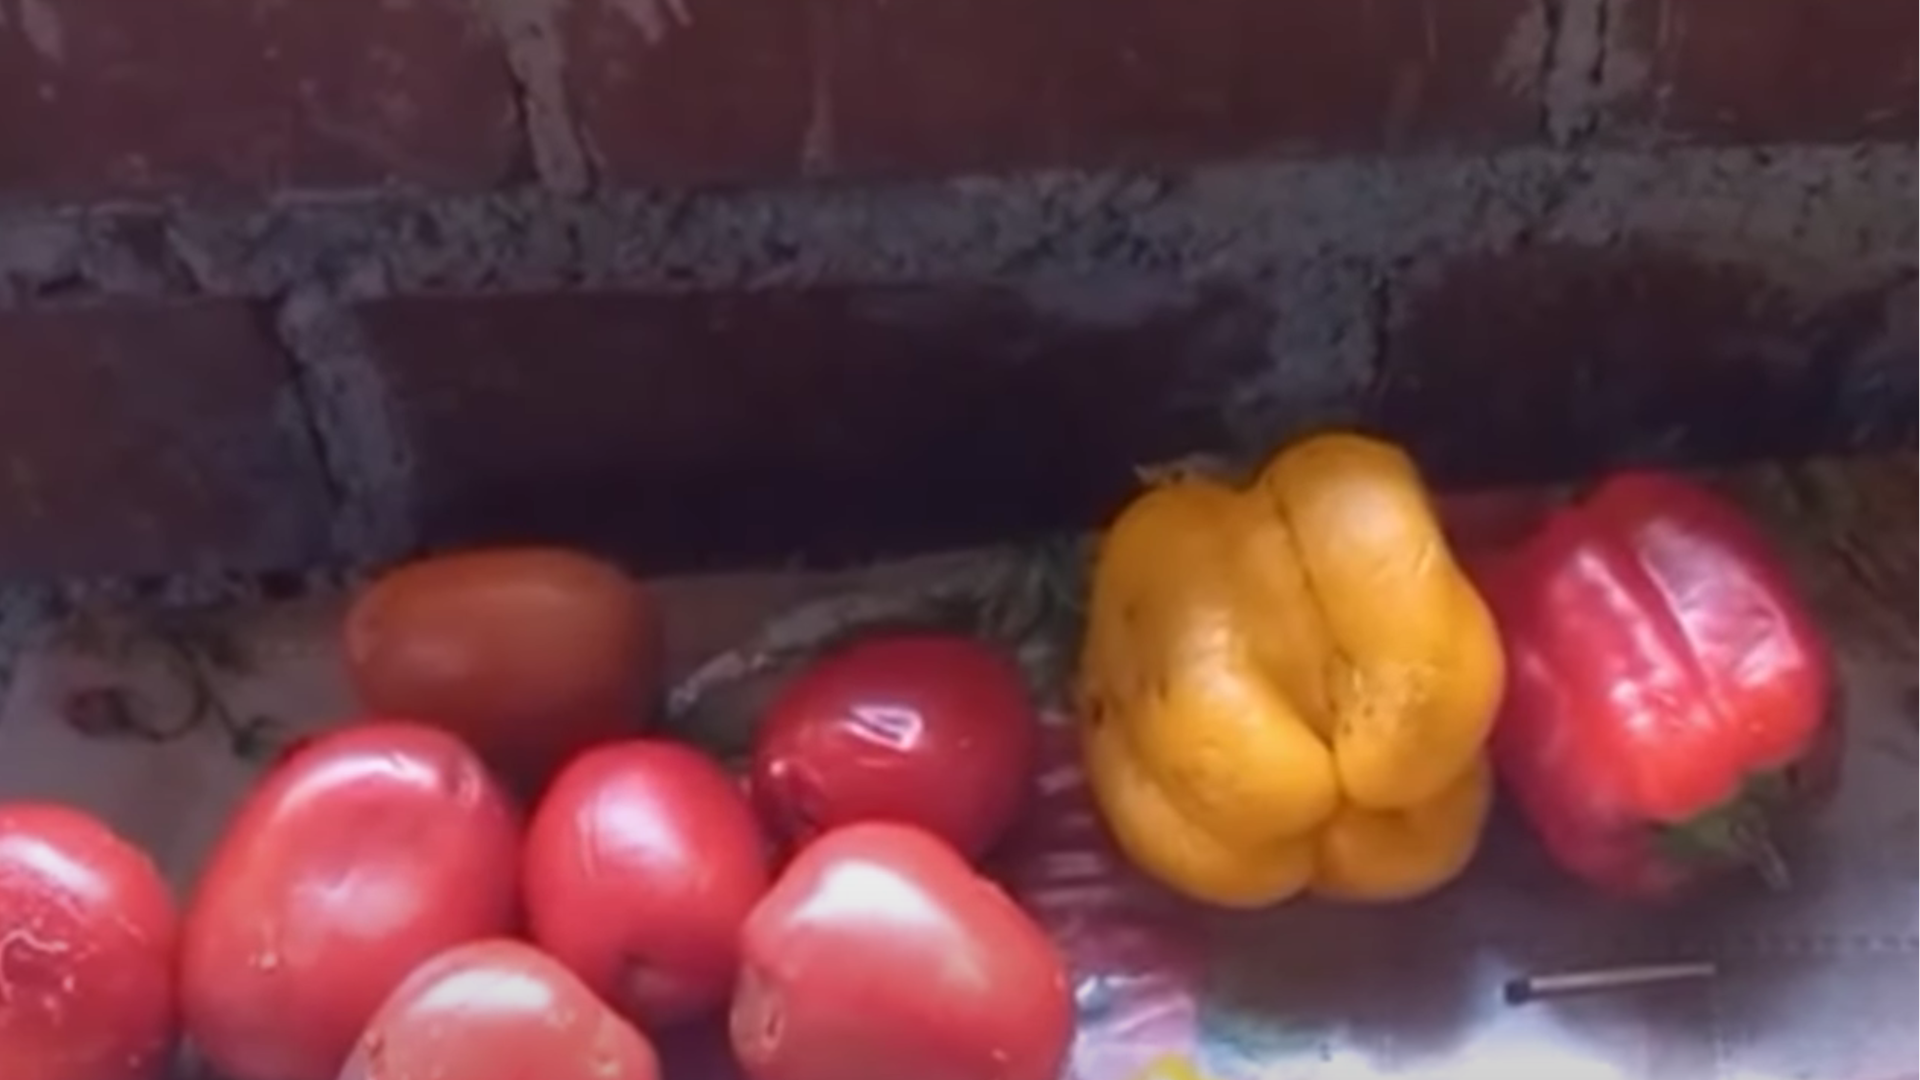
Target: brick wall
701,281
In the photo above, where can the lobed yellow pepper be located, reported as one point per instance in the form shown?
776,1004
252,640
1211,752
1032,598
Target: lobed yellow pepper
1288,687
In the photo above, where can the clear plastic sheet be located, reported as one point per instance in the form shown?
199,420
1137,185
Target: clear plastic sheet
1134,957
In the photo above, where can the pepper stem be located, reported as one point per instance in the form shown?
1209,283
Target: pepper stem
1753,839
1736,831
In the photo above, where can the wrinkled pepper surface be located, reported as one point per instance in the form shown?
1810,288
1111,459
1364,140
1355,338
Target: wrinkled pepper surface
1288,686
1665,685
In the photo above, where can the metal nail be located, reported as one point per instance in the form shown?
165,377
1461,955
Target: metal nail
1597,980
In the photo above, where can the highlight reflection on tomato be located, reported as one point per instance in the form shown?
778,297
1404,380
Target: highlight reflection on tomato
498,1010
881,955
933,730
363,855
86,964
640,865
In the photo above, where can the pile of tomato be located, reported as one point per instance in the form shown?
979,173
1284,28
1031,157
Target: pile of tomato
489,877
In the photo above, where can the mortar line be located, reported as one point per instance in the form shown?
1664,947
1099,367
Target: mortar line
1573,80
300,383
342,414
1553,17
23,611
535,54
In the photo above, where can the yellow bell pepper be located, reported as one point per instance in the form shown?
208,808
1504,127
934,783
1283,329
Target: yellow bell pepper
1288,687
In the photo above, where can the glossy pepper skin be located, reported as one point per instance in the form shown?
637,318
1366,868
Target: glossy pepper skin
1664,682
1288,686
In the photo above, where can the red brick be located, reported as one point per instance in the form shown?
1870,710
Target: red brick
948,84
710,429
149,439
1762,70
1152,78
1549,363
724,96
878,87
127,96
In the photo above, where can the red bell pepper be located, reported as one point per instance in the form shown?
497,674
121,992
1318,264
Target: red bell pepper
1666,685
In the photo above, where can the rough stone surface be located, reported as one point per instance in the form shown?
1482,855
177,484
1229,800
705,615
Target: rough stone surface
366,455
1560,360
210,99
148,438
1338,275
1796,210
1747,71
678,91
22,613
102,98
866,419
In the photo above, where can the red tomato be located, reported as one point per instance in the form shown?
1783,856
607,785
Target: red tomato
498,1010
926,729
879,954
640,866
359,857
532,654
87,934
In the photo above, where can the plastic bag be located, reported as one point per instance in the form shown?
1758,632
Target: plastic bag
1133,957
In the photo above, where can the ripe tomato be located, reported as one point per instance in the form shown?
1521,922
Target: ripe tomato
498,1010
356,859
87,933
641,864
532,654
931,730
879,954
